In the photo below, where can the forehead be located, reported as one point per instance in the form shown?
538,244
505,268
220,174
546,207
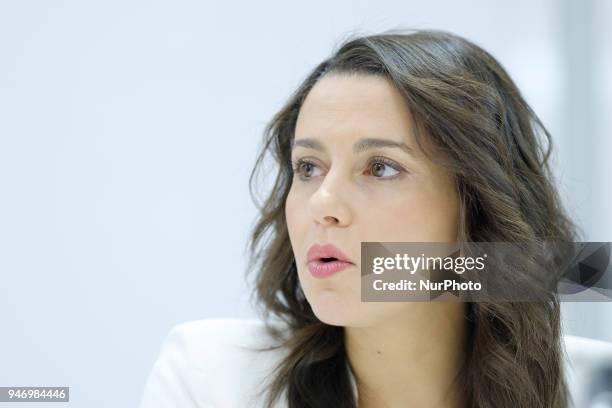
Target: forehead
360,105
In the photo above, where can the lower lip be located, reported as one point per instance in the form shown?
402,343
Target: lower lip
320,269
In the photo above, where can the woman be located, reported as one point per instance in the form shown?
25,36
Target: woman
396,137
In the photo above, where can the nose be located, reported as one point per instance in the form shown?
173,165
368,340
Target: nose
329,204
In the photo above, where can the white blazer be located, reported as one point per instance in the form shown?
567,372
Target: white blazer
207,364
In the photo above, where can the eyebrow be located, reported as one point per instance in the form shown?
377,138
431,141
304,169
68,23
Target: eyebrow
360,146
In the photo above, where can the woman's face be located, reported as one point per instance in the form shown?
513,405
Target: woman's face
346,195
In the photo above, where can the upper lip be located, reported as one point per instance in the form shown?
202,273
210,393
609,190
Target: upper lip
317,252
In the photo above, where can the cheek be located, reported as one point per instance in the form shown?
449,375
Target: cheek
295,205
418,215
290,213
295,213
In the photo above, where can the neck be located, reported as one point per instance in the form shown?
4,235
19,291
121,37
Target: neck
410,360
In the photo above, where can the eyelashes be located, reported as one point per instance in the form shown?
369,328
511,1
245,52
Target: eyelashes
299,164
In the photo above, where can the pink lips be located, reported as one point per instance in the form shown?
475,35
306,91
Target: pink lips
321,269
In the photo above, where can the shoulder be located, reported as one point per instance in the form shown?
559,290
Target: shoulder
207,337
584,349
212,362
586,360
583,353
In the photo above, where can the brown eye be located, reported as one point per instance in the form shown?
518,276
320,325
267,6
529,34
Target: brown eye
304,168
378,169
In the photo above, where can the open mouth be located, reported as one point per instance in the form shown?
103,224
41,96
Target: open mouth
327,266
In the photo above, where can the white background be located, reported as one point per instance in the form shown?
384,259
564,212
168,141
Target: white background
128,130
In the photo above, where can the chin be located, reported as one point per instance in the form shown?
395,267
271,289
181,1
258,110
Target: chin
333,308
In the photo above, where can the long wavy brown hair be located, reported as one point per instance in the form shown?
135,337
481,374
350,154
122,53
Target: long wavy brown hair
492,142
